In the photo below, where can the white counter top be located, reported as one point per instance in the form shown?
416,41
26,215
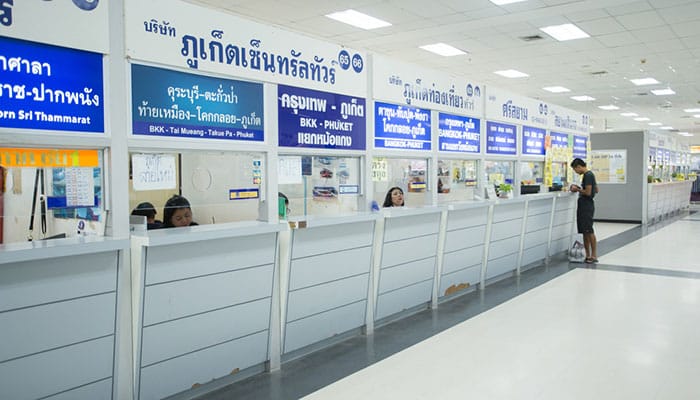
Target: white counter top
167,236
311,221
42,249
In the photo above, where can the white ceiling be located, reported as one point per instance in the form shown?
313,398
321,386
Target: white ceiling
629,39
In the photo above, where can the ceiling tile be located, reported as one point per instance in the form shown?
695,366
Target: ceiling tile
617,39
628,8
641,20
602,26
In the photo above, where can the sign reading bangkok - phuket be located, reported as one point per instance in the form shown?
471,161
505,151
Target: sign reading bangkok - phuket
315,119
50,88
401,127
459,134
170,103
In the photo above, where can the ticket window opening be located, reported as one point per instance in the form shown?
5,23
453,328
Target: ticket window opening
219,187
498,172
408,174
319,185
52,194
531,177
457,180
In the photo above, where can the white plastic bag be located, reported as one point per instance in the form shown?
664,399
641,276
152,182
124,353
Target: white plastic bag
577,253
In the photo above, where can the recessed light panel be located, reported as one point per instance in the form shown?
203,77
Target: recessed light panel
644,81
629,114
582,98
565,32
609,107
358,19
511,73
442,49
663,92
655,124
692,110
641,119
558,89
504,2
666,128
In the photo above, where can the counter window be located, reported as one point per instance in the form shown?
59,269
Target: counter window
320,185
531,177
411,175
219,187
559,175
498,172
50,193
457,180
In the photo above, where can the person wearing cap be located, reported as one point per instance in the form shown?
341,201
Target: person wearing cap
147,210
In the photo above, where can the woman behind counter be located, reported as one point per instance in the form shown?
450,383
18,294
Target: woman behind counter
394,197
177,212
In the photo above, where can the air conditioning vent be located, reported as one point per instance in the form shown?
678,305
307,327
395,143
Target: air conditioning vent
643,94
598,73
531,38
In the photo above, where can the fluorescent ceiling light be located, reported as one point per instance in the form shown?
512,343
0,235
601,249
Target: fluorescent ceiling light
358,19
684,133
696,115
641,119
629,114
663,92
666,128
644,81
443,49
609,107
560,89
565,32
655,124
511,73
503,2
692,110
582,98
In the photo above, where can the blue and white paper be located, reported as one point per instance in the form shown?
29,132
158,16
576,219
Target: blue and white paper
559,139
533,141
500,138
401,127
459,134
580,147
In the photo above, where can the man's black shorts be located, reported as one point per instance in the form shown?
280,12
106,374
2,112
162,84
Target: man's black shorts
584,215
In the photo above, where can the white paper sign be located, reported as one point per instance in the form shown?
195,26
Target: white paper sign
153,171
80,187
289,170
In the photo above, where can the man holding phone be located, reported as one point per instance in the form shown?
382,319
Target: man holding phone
586,208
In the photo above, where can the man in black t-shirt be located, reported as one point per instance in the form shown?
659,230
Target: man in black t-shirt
586,208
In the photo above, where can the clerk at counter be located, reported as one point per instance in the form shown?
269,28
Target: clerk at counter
177,212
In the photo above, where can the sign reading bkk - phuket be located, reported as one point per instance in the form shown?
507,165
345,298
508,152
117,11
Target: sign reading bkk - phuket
419,87
459,134
580,147
401,127
500,138
310,118
170,103
533,141
190,36
50,88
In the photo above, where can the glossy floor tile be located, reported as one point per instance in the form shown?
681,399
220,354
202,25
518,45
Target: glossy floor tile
604,230
673,247
588,334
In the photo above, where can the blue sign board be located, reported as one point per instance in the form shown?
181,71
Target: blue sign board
170,103
401,127
559,139
580,147
310,118
533,141
500,138
50,88
459,134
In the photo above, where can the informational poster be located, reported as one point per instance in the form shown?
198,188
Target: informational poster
176,104
289,170
80,187
401,127
609,166
459,134
559,139
500,138
50,88
580,147
380,170
153,172
533,141
315,119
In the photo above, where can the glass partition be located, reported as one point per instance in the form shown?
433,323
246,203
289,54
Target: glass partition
559,177
409,174
218,186
531,177
319,185
457,180
51,193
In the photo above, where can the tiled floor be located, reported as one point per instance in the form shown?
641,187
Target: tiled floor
625,329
